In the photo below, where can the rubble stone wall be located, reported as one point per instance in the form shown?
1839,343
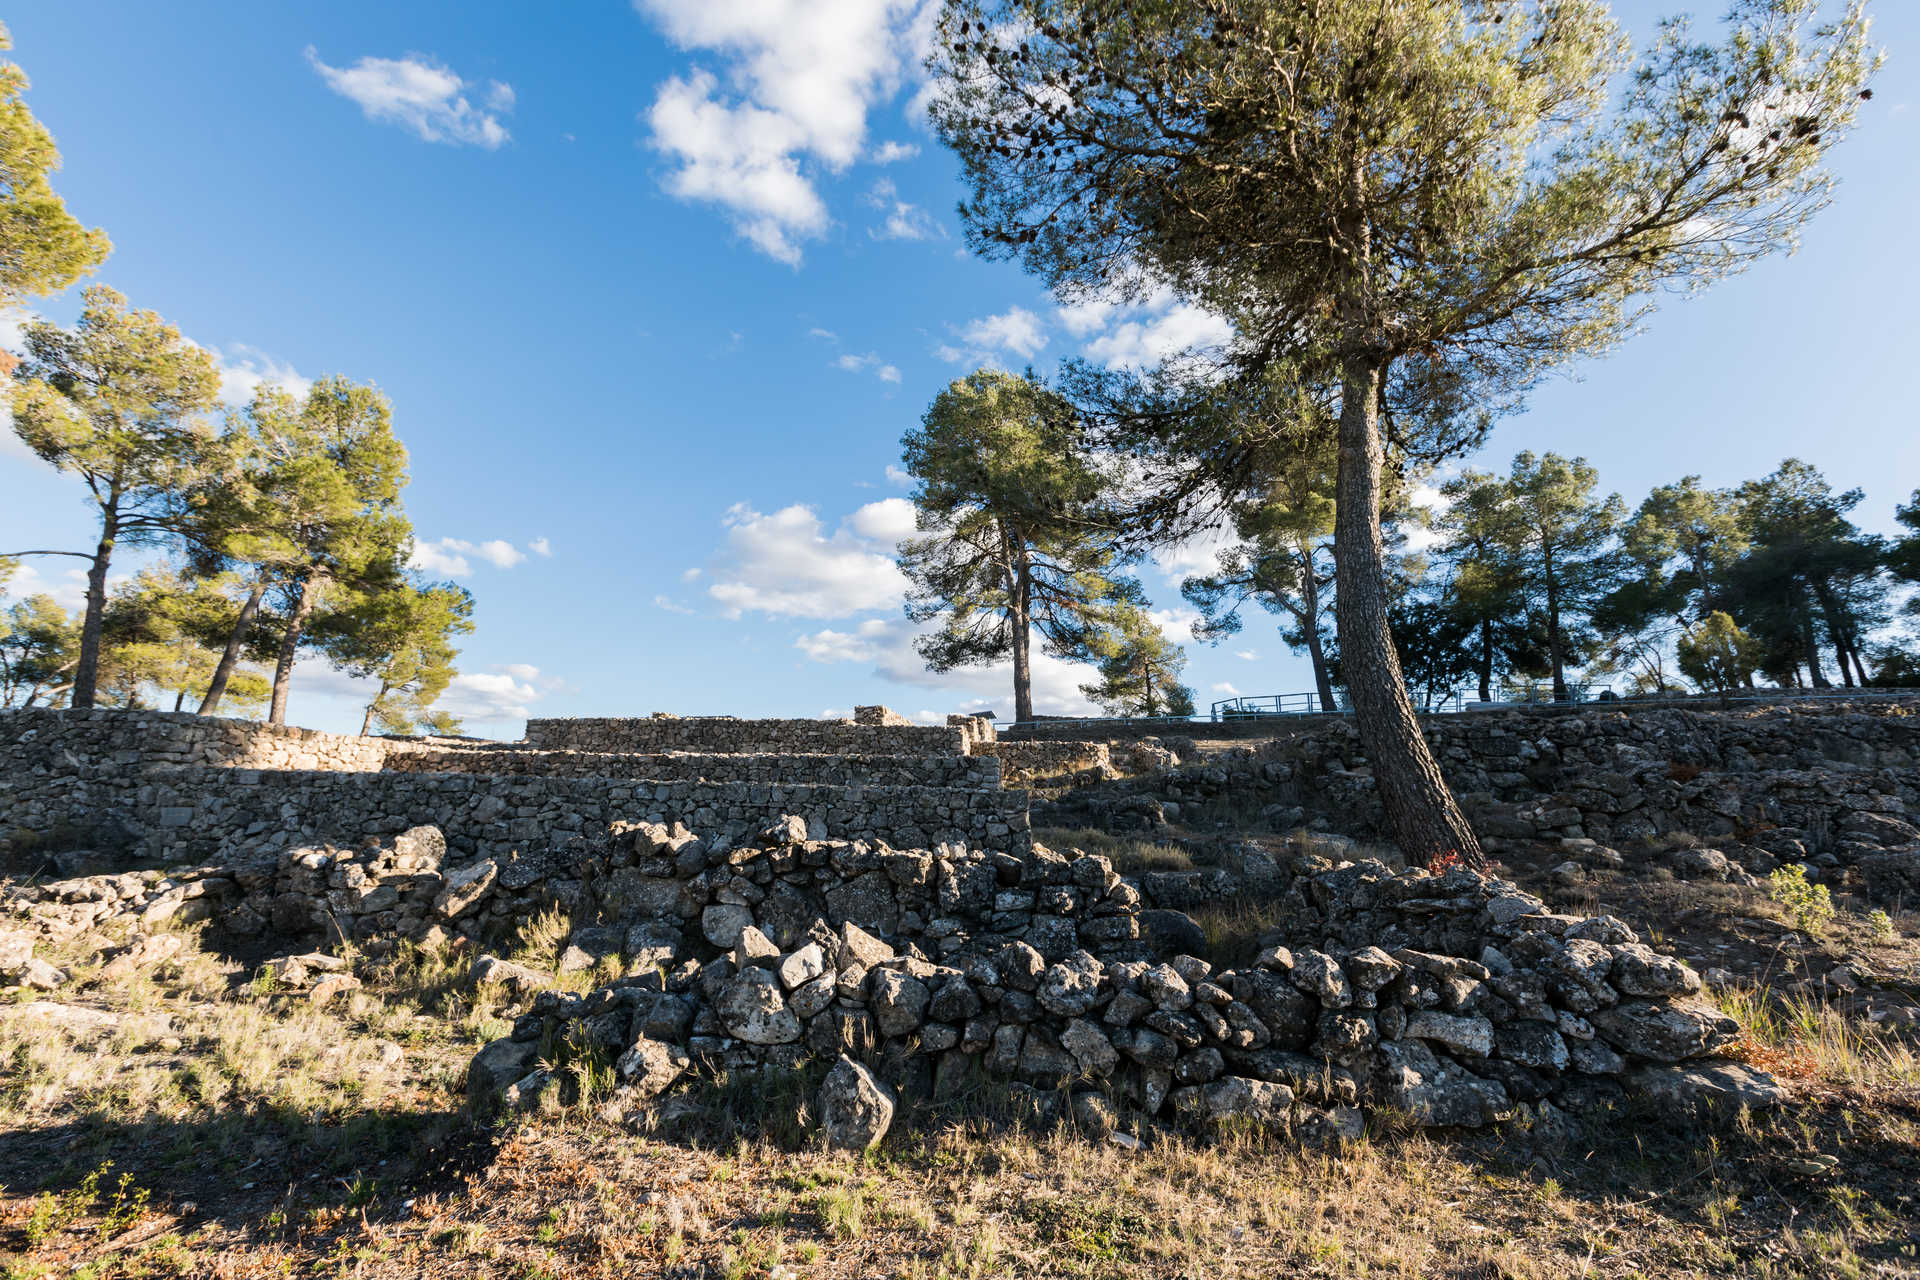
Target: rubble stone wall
838,770
1835,783
1032,761
198,814
728,736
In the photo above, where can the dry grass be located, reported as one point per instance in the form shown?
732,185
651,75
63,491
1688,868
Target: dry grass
1129,856
279,1138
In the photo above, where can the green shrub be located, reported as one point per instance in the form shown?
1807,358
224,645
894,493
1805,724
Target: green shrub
1809,904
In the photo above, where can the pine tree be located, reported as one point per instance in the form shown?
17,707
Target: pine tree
1139,670
1012,539
1363,185
117,401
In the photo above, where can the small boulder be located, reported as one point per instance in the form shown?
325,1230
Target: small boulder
751,1008
648,1067
803,966
497,1065
466,888
856,1107
899,1002
1665,1033
1071,987
1708,1084
723,922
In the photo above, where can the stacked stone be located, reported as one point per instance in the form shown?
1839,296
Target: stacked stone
1454,999
844,769
1833,786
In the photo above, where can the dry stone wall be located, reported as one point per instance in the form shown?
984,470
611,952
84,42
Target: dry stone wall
836,770
181,787
726,735
203,814
1453,999
1834,785
1050,762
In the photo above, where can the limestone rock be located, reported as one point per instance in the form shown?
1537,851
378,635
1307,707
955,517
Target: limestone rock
466,888
1090,1048
1706,1084
497,1065
648,1067
1665,1033
1639,970
856,1107
803,966
751,1008
899,1001
722,923
1071,987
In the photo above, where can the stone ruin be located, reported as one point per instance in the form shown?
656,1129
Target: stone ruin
1832,785
863,892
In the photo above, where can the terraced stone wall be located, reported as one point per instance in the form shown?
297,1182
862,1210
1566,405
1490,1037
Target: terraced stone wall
728,736
834,770
203,814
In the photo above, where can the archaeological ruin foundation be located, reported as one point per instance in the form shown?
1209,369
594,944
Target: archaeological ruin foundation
762,894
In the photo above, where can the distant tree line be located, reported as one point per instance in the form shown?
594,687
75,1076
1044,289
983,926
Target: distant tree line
281,520
1029,526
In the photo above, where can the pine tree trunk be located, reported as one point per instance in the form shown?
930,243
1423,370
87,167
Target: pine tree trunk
366,724
1812,647
1426,821
290,645
1021,622
1486,660
230,656
86,675
1554,654
1310,625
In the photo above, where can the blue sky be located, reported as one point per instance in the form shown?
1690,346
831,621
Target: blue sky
656,288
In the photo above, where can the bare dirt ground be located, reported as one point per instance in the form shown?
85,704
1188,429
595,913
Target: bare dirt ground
212,1124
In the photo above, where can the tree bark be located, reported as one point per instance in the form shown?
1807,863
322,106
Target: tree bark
1022,624
366,724
1553,631
1486,660
230,656
1310,625
1427,823
290,645
1812,646
86,675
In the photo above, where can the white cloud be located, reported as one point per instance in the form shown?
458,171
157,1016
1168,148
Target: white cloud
420,94
801,77
38,576
1246,655
887,643
826,335
1016,330
1147,333
505,693
893,152
862,363
787,564
688,575
437,557
899,477
1196,554
541,547
1226,690
904,221
449,556
669,604
244,369
886,521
